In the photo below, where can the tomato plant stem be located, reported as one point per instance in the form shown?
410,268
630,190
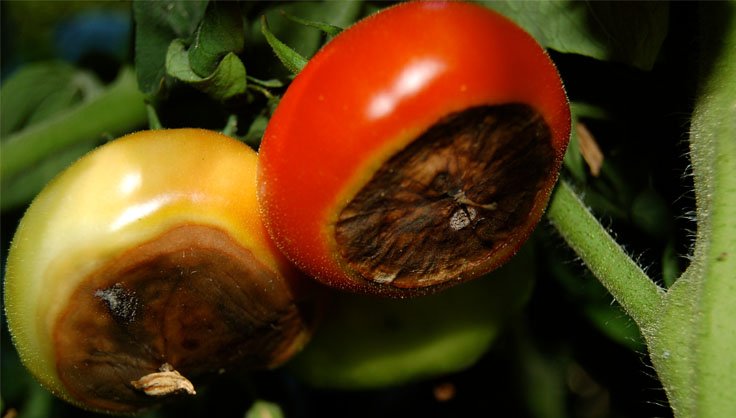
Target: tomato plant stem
117,110
713,153
693,348
626,281
690,329
153,121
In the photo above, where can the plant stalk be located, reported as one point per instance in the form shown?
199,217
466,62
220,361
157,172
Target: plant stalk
693,349
639,296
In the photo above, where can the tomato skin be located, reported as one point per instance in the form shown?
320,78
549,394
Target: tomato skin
368,93
110,202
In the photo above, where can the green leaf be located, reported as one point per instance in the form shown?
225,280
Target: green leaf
589,111
367,342
272,83
38,404
613,322
256,130
288,56
670,264
158,23
220,33
592,299
628,32
20,189
651,214
327,28
303,39
542,378
38,91
17,380
226,81
118,109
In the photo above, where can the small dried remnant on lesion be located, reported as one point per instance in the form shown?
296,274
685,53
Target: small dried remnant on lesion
450,199
166,381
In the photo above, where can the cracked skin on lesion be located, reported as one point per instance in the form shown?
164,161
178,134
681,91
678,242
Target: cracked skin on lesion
449,200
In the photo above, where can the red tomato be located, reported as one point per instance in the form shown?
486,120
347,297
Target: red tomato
377,90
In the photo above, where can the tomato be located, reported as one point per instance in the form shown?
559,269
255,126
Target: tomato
145,263
367,343
416,150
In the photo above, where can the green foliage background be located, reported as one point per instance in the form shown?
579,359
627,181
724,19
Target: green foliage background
566,350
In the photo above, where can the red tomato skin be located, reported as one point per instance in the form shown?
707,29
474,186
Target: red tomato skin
375,87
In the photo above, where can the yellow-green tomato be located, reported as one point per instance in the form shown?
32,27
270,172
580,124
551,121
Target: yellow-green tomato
144,268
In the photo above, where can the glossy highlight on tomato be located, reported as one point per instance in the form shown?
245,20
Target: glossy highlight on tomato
143,270
416,150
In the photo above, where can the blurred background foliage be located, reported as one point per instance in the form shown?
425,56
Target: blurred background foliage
560,348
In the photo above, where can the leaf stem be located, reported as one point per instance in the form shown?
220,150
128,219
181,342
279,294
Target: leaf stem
153,120
623,278
231,127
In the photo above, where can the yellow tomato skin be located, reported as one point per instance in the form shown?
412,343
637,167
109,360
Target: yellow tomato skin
120,195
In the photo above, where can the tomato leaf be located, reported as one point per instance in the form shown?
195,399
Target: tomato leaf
226,81
628,32
591,298
33,94
256,130
117,109
271,83
650,213
22,188
157,25
38,91
220,33
302,39
327,28
288,56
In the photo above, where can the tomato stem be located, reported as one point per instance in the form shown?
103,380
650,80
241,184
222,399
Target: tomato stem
692,349
626,281
153,120
231,127
689,329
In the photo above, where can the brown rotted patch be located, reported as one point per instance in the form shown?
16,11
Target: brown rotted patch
191,298
450,199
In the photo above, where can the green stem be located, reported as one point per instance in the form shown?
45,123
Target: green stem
115,111
626,281
693,349
231,127
154,122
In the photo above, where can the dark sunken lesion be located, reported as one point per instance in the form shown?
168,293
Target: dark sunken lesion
192,298
450,199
